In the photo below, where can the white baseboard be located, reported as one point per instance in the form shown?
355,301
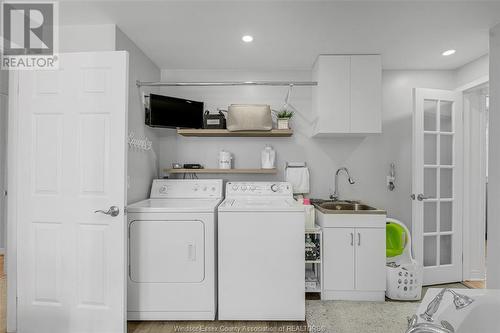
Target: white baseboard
353,295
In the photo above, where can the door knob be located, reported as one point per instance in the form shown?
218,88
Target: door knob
112,211
421,197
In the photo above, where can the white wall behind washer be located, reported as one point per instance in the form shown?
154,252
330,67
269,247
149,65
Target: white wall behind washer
142,165
367,158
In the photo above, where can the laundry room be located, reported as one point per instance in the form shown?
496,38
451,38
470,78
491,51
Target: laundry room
249,166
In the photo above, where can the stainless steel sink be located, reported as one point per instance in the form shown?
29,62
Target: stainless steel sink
345,207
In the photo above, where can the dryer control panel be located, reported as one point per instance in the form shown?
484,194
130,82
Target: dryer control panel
186,188
261,189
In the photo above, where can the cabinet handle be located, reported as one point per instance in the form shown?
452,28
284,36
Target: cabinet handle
359,239
352,239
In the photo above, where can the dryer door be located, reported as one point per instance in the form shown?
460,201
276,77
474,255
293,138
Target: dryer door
167,251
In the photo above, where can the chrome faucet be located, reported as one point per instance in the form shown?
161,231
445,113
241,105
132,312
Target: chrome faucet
460,301
336,195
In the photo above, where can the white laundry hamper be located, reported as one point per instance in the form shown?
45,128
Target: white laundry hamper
404,273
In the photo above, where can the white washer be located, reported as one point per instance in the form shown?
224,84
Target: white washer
261,253
172,240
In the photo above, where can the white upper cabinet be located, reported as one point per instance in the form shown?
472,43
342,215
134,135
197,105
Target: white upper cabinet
348,98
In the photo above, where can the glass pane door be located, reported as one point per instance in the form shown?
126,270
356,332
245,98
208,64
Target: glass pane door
438,198
437,184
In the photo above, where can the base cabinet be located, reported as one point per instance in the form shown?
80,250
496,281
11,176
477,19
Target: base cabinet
338,258
354,263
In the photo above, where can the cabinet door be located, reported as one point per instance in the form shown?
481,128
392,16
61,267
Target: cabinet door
331,96
370,259
366,94
338,258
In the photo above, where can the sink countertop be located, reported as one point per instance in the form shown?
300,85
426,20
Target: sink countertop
371,210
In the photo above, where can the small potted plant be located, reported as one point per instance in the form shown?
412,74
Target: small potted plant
284,119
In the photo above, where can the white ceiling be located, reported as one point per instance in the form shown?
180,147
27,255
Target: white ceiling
290,34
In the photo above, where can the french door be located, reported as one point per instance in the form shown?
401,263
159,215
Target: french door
71,194
437,184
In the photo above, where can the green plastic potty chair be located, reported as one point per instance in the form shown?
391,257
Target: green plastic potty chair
395,239
404,274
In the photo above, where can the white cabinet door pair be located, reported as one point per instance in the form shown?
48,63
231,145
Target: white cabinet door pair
348,97
354,261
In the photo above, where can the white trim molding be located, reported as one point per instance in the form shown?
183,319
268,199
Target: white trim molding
475,158
476,83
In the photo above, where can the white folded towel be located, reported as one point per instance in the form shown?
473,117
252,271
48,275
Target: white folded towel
299,178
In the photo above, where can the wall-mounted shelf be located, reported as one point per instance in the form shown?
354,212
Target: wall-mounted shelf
223,171
225,132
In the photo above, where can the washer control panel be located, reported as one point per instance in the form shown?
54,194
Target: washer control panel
186,188
267,189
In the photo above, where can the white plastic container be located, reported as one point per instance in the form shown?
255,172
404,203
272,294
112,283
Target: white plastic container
310,215
225,159
268,158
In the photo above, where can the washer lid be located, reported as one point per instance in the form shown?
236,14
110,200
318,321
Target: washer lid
174,205
260,204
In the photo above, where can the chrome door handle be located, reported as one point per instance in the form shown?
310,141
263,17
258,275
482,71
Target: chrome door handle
112,211
421,197
352,239
359,239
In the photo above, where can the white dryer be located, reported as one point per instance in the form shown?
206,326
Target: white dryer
261,253
172,235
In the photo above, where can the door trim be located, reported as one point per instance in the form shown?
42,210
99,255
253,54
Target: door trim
474,266
11,226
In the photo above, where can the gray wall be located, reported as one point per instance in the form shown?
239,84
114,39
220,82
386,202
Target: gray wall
493,262
367,158
142,165
87,38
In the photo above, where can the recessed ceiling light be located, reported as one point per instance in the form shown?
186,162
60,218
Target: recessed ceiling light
247,38
449,52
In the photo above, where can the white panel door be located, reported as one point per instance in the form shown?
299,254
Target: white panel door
71,141
338,259
438,184
370,259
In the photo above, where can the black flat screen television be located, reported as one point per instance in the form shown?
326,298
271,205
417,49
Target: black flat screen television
171,112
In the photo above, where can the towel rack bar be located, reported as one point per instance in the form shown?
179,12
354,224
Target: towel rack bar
295,165
227,83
